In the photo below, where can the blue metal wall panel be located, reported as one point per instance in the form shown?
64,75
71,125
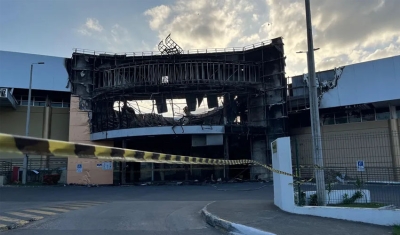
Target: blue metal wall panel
366,82
15,70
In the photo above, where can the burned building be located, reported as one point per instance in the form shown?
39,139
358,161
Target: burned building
220,103
217,103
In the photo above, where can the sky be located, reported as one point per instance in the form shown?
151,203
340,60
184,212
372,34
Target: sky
346,31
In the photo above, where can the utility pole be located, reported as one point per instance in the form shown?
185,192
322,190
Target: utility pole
314,113
28,118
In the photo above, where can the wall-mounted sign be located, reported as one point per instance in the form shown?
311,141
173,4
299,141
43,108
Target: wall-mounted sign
360,165
107,165
79,168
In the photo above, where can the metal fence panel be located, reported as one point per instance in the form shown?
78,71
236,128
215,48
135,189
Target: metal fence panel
362,164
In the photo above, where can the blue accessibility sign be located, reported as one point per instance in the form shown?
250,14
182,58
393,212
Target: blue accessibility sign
360,165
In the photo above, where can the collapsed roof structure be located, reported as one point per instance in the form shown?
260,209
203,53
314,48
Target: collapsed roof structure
244,90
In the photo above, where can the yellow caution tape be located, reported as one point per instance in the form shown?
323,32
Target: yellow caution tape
46,147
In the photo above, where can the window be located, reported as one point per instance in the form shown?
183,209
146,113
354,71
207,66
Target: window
368,115
56,104
341,118
354,116
398,112
60,103
382,113
39,101
24,100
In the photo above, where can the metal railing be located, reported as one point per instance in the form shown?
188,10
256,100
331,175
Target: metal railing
191,51
37,169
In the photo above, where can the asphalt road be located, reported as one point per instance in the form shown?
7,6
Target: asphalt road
121,210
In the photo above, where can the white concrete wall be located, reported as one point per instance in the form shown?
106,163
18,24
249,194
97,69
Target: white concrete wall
284,194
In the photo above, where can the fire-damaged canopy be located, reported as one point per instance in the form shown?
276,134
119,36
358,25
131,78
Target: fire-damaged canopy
135,76
251,80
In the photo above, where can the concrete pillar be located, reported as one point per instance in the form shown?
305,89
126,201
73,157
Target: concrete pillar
46,129
226,156
131,172
123,166
257,117
152,171
226,146
394,142
258,150
282,160
162,172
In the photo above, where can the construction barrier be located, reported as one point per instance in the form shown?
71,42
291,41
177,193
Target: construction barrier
46,147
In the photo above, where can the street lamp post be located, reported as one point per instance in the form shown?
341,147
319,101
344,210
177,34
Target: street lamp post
28,117
314,112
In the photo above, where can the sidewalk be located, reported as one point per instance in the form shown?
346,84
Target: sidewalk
264,215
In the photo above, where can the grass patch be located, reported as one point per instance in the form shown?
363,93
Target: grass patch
360,205
396,230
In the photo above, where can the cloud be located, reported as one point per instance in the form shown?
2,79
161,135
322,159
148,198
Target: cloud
203,23
158,15
119,34
84,32
116,39
391,50
93,24
347,32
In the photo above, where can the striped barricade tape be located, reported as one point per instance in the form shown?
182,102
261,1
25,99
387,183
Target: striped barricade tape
46,147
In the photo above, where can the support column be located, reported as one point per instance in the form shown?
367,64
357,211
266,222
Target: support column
226,156
131,172
123,166
162,172
226,146
394,142
258,153
257,117
46,130
152,171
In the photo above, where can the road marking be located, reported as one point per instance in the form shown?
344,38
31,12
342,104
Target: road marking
41,212
75,205
17,221
90,203
68,207
33,217
3,227
84,204
94,202
54,209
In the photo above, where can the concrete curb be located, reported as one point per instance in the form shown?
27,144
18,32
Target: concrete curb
229,227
